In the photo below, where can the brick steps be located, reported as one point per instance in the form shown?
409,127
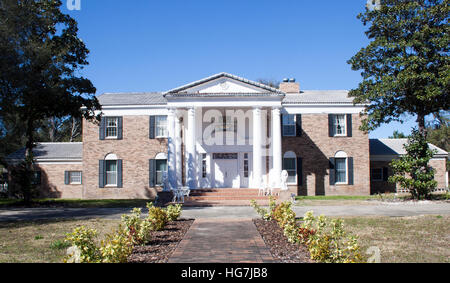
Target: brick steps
225,197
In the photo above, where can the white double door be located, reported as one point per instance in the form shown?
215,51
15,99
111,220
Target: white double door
226,173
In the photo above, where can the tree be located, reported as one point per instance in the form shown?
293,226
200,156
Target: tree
411,171
269,82
405,67
398,135
41,56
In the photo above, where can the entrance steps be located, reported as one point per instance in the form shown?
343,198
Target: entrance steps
225,197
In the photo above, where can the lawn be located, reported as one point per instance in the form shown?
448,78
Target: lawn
77,203
415,239
42,241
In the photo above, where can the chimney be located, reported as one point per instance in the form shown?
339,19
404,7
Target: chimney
290,86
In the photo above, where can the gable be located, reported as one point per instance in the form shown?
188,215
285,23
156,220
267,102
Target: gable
223,83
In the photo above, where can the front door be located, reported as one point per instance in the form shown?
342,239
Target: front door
226,174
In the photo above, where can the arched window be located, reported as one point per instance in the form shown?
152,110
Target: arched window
341,165
160,167
111,170
290,165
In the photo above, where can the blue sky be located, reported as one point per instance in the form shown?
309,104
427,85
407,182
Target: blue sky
144,45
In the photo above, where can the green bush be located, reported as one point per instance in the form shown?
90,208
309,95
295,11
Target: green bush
83,239
157,217
136,227
117,246
59,245
265,214
328,242
173,212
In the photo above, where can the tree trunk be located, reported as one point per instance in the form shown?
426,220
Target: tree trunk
421,122
27,184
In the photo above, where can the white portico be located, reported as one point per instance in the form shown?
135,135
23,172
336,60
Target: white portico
224,132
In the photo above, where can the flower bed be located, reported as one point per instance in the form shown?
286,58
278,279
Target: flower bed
280,248
162,243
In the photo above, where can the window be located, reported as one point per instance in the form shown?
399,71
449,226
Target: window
245,165
161,171
376,174
112,125
290,165
75,178
36,178
339,125
341,170
161,126
289,126
204,165
111,172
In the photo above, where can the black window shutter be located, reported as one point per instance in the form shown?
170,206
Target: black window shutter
349,125
119,128
81,177
350,171
152,127
330,125
66,177
152,173
119,174
281,118
102,128
332,172
385,174
101,173
300,171
298,124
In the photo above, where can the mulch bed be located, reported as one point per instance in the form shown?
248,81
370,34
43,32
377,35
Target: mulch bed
280,248
162,244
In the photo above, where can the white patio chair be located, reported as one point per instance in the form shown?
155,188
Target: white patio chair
262,189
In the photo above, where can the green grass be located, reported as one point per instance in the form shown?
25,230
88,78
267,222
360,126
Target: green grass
335,197
43,241
415,239
76,203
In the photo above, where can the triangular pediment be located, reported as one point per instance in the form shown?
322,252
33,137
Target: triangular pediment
224,83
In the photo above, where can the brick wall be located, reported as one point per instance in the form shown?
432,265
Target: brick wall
135,150
316,148
52,181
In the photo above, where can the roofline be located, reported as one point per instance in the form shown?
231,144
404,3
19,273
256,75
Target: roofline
223,74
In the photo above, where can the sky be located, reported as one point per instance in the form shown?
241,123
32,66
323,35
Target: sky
149,45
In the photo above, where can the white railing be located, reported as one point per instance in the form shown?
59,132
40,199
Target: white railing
3,188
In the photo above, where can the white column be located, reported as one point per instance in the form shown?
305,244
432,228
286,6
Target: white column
191,156
276,147
257,148
178,150
171,155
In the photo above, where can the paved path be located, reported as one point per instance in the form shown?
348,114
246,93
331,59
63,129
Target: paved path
222,241
229,212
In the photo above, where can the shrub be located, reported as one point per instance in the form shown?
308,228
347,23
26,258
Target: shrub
82,239
173,212
157,217
265,214
59,245
136,227
328,242
117,246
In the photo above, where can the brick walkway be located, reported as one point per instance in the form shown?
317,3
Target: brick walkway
222,241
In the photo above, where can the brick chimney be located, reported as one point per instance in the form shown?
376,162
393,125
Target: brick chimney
290,86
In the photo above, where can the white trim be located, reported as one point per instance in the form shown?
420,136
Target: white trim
322,109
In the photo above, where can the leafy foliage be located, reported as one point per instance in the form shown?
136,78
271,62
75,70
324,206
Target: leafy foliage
265,214
405,67
173,212
41,56
136,228
83,239
117,246
157,217
412,171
